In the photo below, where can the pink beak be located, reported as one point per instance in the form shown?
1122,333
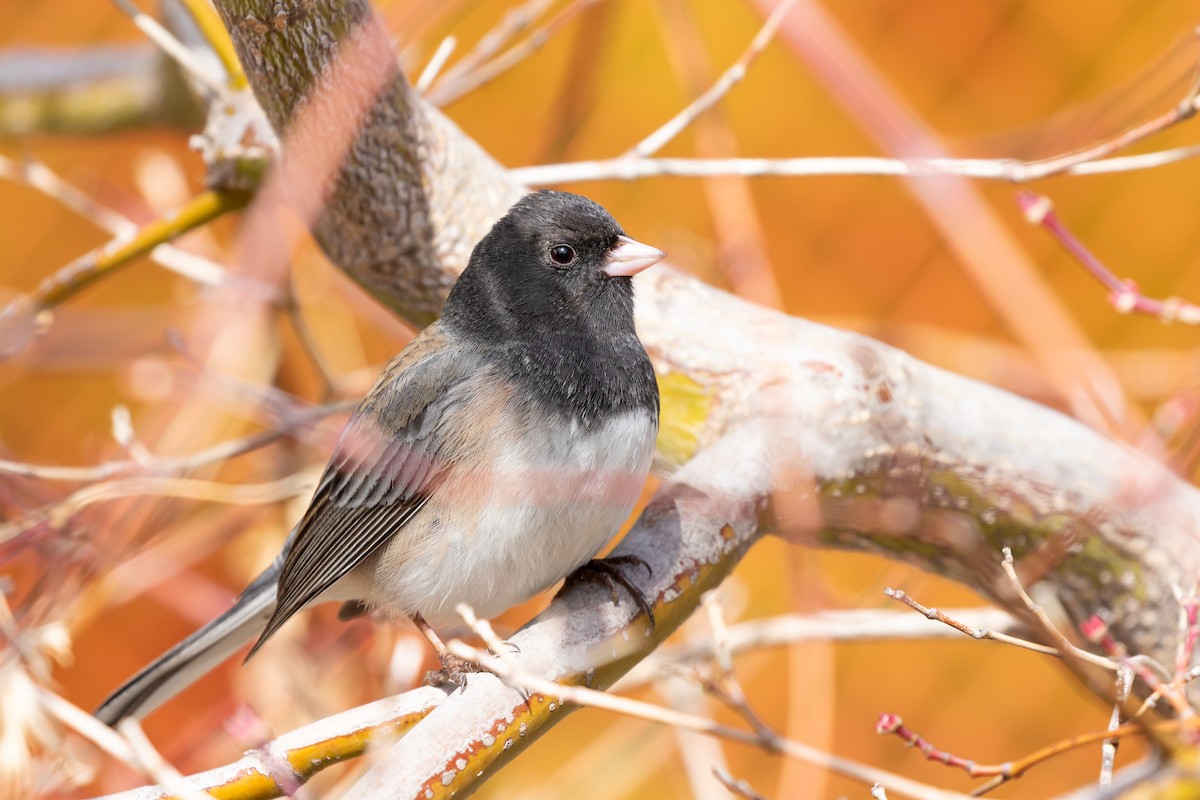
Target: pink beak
630,257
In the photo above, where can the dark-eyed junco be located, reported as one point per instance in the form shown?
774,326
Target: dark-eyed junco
494,456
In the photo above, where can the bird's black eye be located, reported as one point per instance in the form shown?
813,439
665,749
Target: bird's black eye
562,254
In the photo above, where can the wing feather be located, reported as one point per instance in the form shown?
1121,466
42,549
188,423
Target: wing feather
390,458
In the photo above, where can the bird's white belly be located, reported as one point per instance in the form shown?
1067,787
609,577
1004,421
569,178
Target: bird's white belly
492,540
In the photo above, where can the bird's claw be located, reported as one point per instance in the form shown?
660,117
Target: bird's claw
455,669
605,571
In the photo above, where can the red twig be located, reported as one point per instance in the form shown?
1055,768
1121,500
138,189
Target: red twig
1008,770
1123,294
1096,630
894,725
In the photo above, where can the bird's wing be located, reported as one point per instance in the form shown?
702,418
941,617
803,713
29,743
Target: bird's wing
388,461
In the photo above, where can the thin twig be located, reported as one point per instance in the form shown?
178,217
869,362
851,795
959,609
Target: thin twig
308,342
175,465
154,765
121,251
436,62
87,726
57,514
1124,295
999,169
741,248
725,685
125,436
36,175
300,754
720,631
214,33
1096,630
892,724
1108,750
519,679
785,629
450,89
739,787
973,632
510,26
1064,645
166,41
728,79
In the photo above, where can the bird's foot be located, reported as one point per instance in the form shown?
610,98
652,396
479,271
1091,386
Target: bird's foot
455,669
604,570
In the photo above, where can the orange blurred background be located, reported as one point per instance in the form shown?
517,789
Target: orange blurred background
1014,79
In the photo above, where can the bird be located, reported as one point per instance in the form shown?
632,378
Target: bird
494,456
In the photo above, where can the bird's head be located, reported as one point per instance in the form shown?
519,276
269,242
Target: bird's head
553,259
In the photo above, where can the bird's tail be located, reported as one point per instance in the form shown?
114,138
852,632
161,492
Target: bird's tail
186,662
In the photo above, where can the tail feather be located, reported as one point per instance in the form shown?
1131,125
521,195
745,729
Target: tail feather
192,658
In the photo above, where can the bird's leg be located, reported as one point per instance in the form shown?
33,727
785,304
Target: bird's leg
604,570
454,669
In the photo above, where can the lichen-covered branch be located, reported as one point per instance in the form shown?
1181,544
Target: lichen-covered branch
90,91
278,767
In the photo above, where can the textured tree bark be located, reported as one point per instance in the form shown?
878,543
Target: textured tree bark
827,436
413,194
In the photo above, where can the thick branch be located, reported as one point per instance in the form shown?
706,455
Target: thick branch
276,768
90,91
413,194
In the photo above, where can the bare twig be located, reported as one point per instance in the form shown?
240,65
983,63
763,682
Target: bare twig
1063,644
214,33
175,465
740,236
295,315
57,514
786,629
87,726
1152,673
154,765
510,26
973,632
166,41
452,87
1097,630
739,787
304,752
512,675
725,685
1124,295
37,175
999,169
121,251
720,631
728,79
436,62
1009,770
1108,750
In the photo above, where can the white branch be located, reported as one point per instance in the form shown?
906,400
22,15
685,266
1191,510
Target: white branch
628,168
269,761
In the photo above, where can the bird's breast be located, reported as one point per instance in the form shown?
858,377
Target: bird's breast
542,496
